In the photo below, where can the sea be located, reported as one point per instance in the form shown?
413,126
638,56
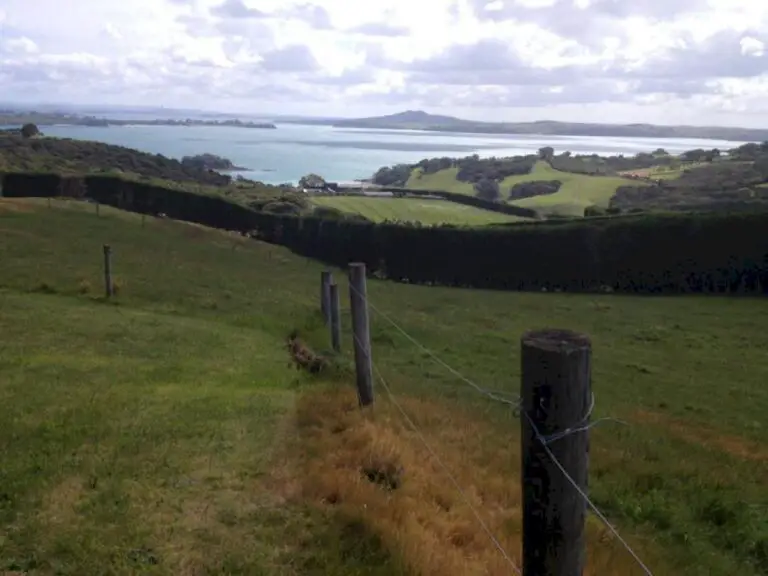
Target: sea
346,154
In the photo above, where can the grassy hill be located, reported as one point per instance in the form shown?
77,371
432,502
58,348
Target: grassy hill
166,432
413,210
577,192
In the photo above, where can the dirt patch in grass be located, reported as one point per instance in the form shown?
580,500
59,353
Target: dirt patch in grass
61,502
370,465
696,434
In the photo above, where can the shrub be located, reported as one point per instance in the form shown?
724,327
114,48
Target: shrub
534,188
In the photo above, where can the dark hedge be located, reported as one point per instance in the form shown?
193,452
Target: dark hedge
642,254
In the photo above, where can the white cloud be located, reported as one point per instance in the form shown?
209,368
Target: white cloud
700,61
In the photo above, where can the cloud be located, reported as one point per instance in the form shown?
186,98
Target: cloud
236,9
492,59
314,15
295,58
379,29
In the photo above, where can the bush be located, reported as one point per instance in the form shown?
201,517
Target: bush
280,207
487,190
591,211
534,188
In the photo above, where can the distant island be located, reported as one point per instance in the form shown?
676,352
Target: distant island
419,120
53,118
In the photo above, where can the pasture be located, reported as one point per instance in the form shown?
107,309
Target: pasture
166,432
577,192
425,211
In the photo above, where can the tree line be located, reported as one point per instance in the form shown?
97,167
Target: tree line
637,254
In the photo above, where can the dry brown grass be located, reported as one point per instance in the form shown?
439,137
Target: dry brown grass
16,205
425,520
60,503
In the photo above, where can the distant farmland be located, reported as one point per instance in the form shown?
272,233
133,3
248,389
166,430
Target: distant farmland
577,192
414,210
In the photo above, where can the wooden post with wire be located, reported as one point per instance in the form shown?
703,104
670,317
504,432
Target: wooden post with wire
335,317
108,286
556,404
358,297
325,295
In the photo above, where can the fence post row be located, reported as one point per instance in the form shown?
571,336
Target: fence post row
358,297
325,295
335,318
556,404
108,286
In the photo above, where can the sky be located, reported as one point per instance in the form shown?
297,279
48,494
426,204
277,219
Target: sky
701,62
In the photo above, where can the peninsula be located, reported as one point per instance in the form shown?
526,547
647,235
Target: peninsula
53,118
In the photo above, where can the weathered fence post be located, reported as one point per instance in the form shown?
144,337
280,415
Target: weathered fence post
335,317
325,295
358,297
143,219
108,287
556,403
97,208
49,201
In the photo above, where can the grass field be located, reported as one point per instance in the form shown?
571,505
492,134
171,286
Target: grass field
577,192
165,432
414,210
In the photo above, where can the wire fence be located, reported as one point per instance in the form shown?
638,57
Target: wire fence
516,404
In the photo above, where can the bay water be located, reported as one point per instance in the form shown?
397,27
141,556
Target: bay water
343,154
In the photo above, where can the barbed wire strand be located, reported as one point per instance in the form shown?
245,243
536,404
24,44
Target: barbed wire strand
445,468
488,393
544,441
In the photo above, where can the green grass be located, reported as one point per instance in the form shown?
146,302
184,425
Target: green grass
162,433
577,192
414,210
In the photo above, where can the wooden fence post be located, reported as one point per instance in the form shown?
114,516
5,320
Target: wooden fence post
108,287
358,297
143,219
97,208
556,402
335,318
49,201
325,295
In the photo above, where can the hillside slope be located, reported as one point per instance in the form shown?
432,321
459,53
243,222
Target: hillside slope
578,191
165,432
84,156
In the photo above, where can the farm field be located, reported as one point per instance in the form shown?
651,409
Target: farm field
577,192
166,432
414,210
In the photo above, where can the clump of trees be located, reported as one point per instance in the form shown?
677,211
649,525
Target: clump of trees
475,169
312,181
397,175
208,162
534,188
29,130
487,189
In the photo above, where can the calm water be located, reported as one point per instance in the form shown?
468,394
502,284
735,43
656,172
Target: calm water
291,151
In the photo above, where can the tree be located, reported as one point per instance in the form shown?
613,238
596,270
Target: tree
312,181
546,153
487,190
29,130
